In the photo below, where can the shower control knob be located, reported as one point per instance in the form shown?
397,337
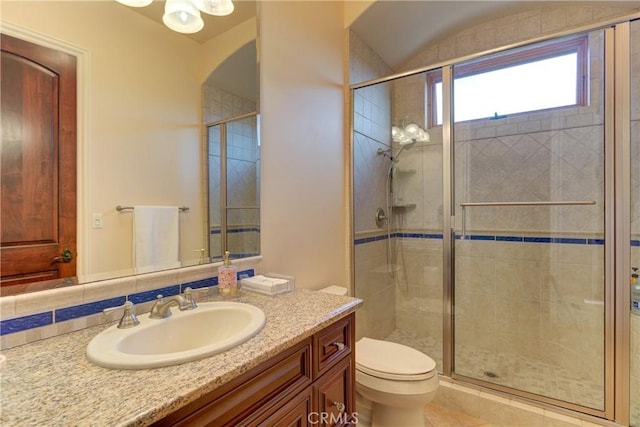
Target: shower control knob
381,217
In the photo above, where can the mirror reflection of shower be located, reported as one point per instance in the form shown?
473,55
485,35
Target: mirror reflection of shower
406,137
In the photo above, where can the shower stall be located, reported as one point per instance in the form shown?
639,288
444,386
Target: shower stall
502,244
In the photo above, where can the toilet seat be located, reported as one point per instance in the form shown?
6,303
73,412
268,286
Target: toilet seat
389,360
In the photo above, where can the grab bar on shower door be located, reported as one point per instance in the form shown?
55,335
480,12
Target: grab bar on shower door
549,203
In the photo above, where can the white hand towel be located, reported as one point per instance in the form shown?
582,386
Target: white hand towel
155,238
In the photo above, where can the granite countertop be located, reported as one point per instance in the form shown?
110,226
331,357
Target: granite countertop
51,382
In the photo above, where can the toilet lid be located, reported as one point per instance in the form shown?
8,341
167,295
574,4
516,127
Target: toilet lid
391,360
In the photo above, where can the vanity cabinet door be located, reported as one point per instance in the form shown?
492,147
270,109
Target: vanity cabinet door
295,413
334,393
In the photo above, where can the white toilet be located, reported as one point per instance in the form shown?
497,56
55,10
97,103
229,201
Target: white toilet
393,382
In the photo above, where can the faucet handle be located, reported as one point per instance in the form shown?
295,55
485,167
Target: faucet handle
128,319
190,302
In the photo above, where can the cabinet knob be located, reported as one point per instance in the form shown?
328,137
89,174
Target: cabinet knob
339,345
340,406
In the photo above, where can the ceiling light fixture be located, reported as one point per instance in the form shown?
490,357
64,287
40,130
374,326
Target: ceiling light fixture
135,3
184,16
411,132
216,7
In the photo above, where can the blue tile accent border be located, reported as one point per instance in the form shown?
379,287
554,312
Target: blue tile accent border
74,312
488,237
238,230
153,294
204,283
25,323
509,239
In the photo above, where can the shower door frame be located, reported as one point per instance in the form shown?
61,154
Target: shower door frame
617,218
610,210
224,207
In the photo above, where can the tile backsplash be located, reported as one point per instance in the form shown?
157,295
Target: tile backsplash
33,316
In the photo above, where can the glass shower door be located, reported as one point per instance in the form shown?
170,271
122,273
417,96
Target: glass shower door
397,216
529,207
635,218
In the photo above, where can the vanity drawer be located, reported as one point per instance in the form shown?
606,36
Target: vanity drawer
332,344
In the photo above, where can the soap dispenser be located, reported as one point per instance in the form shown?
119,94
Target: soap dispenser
227,278
635,292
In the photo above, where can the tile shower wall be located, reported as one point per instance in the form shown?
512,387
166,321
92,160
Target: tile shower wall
243,170
372,127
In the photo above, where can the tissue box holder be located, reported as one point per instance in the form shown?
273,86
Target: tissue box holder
251,284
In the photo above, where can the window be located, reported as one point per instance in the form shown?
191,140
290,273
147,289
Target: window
533,79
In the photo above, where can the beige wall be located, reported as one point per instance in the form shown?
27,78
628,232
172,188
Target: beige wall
302,195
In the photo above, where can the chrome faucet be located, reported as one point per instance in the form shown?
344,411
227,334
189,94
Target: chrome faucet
162,308
129,319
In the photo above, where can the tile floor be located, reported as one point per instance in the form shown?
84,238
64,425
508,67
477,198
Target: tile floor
437,416
518,372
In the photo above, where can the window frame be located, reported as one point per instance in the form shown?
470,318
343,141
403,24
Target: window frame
578,45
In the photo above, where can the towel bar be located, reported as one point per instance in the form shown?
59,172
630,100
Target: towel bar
488,204
121,208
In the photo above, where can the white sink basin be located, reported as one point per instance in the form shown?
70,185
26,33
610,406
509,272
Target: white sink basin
185,336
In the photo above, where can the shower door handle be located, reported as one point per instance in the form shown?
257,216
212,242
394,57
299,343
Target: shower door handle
536,203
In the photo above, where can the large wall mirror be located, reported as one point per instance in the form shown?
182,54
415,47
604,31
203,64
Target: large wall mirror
145,97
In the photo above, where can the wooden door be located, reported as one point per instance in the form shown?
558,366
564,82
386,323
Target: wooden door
38,163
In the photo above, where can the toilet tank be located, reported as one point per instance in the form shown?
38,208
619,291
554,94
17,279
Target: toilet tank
335,290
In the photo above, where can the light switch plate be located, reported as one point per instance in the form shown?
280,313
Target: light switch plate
97,220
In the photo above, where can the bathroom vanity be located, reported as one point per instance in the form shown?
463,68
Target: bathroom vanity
310,381
299,367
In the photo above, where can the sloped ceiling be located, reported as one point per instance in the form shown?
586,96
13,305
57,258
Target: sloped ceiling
397,30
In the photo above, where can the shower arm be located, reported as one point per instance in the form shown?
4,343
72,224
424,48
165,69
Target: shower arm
493,204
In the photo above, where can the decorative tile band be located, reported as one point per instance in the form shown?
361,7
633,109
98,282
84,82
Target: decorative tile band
489,237
26,322
238,230
68,313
